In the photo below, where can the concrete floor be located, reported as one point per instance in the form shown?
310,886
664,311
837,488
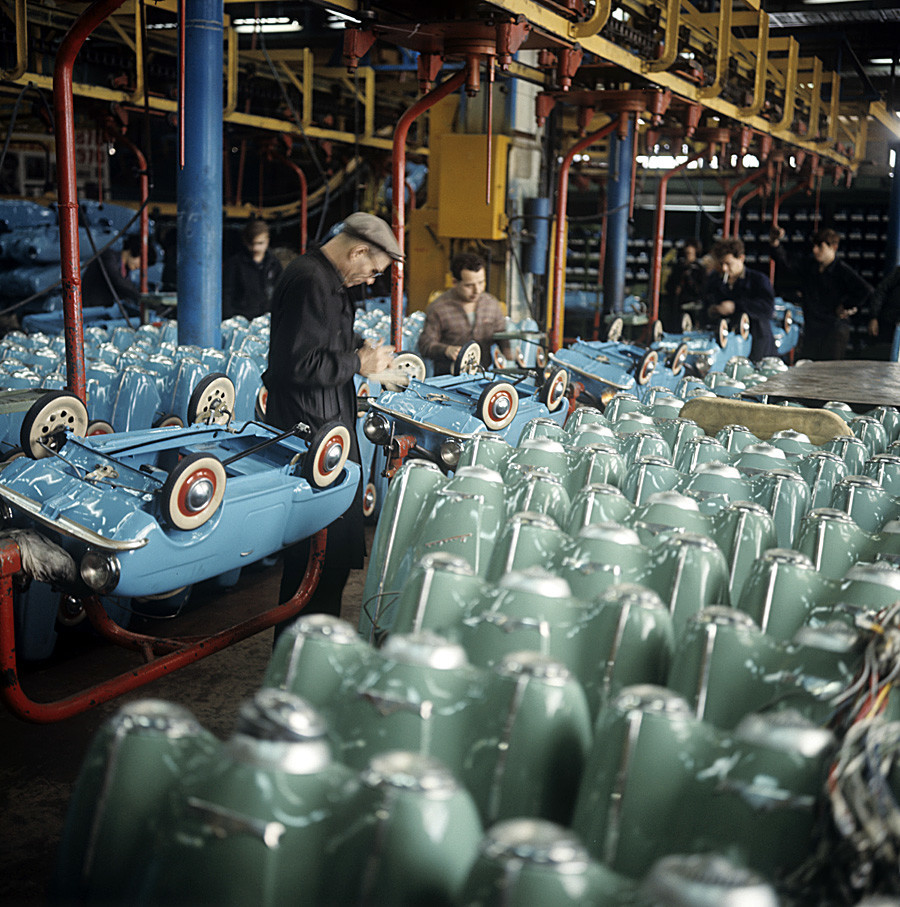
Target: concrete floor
39,763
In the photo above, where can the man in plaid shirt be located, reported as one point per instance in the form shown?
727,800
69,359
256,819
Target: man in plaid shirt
461,314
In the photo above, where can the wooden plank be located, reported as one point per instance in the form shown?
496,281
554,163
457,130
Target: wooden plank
714,413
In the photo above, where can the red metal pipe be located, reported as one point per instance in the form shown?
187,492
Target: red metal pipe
304,194
144,219
182,652
67,191
398,194
739,206
729,197
656,262
559,258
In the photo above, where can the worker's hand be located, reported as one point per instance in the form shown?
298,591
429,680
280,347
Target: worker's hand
452,352
726,307
845,313
873,327
776,235
374,359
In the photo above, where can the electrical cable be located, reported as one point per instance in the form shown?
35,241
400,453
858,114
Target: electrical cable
15,113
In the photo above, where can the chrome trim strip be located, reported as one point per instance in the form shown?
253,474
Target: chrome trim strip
428,426
68,526
587,374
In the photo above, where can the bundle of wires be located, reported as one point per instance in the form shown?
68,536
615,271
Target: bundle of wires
859,852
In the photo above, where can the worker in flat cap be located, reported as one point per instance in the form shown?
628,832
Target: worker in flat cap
313,356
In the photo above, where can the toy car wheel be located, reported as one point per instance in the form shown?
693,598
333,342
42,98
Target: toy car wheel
408,364
553,390
687,323
259,406
46,423
12,454
193,491
497,406
646,367
169,421
98,427
498,358
362,393
468,359
370,499
540,357
212,401
788,319
722,333
329,448
744,326
615,330
676,363
656,331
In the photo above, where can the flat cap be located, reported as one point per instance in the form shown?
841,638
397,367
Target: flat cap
372,230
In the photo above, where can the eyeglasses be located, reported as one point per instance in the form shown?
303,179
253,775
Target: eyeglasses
376,273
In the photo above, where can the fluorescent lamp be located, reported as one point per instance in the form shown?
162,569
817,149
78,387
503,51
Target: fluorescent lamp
267,24
881,61
337,19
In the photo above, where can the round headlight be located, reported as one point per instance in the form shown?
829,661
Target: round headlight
377,428
100,571
450,451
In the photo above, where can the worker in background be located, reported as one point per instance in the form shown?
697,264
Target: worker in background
685,284
105,281
462,314
313,356
736,290
831,293
249,276
884,312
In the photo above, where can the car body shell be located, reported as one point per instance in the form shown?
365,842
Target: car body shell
103,493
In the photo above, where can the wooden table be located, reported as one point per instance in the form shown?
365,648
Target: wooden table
860,383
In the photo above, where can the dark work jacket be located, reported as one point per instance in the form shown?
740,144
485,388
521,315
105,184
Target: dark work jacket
312,361
752,293
247,287
95,290
885,304
823,291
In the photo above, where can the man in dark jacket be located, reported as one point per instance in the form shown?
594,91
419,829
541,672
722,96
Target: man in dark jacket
736,290
831,294
105,281
884,311
313,356
249,276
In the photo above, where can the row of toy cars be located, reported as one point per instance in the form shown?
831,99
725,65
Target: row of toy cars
30,251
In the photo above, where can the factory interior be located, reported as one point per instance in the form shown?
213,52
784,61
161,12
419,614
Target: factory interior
608,383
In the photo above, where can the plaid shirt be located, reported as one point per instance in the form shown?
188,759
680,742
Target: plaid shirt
446,324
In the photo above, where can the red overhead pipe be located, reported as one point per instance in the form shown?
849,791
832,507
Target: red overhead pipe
67,191
562,197
739,206
776,205
656,263
398,193
729,197
144,220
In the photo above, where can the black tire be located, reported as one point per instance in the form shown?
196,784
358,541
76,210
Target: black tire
212,400
646,367
46,423
468,359
179,507
676,361
553,390
329,448
169,420
615,330
497,406
722,333
99,427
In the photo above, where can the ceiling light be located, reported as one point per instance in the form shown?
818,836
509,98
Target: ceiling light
337,19
823,2
267,24
881,61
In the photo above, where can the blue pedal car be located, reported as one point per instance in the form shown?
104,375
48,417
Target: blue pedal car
146,512
433,418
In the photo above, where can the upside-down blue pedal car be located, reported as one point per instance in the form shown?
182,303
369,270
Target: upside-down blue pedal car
145,512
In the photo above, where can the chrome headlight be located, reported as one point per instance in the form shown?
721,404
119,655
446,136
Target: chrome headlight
377,428
100,571
450,452
6,515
